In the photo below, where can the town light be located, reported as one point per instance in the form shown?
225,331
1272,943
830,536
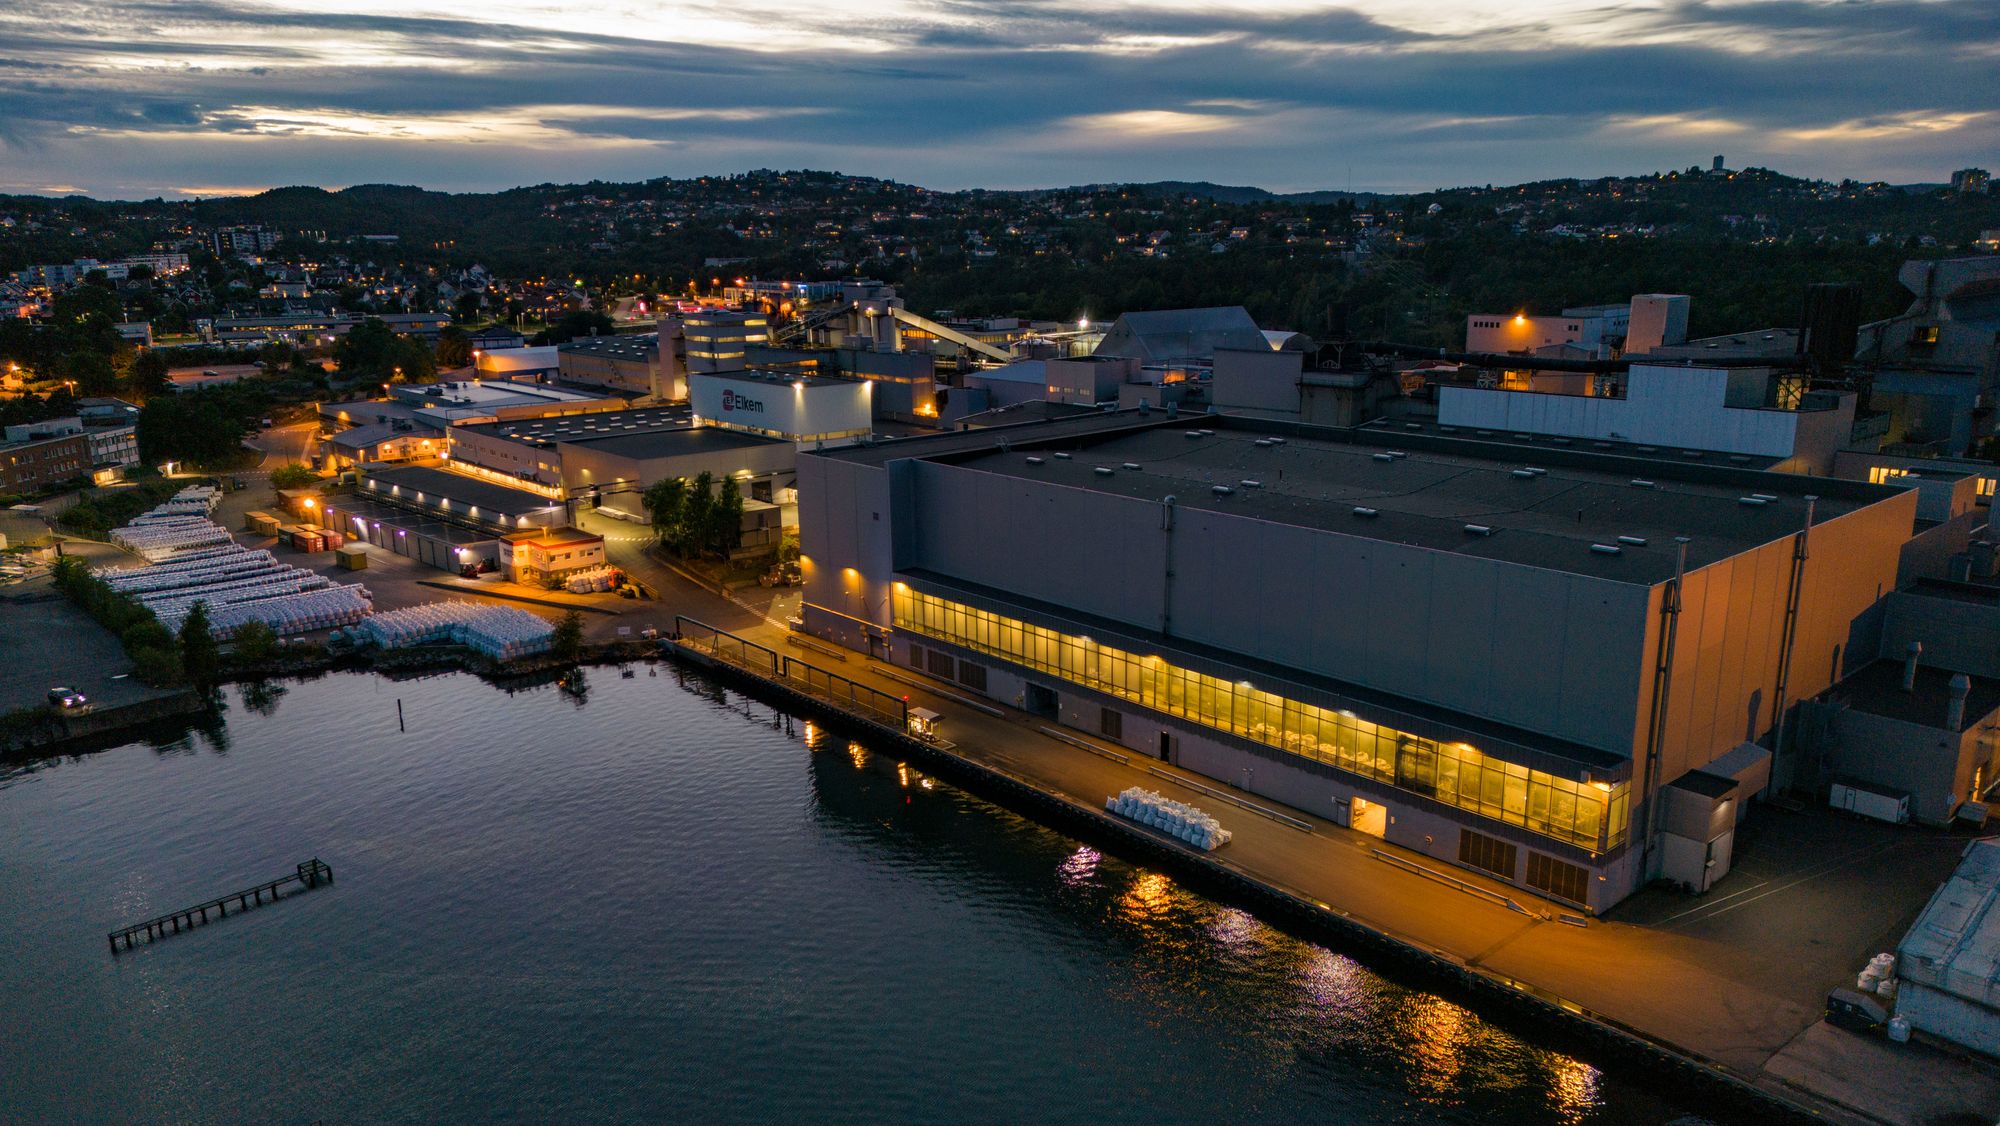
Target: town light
1520,318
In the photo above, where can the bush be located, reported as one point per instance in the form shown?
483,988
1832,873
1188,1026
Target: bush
253,644
293,475
160,668
148,634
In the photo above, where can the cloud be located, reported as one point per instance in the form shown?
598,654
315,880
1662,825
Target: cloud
139,95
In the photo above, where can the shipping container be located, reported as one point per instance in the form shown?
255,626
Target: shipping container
354,557
333,539
1850,796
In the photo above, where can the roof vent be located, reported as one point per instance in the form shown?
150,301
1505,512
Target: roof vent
1102,471
1602,445
1264,442
1524,437
1249,484
1447,429
1131,465
1062,455
1632,541
1607,549
1526,474
1739,459
1752,502
1275,441
1479,529
1413,426
1034,461
1365,512
1484,433
1690,453
1222,490
1560,441
1642,483
1385,457
1194,433
1765,496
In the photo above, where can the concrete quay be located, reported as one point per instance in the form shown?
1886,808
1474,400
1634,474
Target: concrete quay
1721,992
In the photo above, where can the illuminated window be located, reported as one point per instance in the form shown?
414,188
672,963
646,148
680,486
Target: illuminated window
1590,816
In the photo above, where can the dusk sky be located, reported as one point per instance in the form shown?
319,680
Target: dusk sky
184,97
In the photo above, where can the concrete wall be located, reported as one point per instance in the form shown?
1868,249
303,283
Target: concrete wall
1256,380
1949,1017
505,455
584,466
1956,635
1667,406
1934,766
835,407
1543,650
845,526
1723,684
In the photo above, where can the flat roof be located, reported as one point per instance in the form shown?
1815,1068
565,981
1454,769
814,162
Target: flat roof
637,346
552,537
498,500
491,393
1878,690
1555,509
1954,946
1670,453
358,505
683,442
544,433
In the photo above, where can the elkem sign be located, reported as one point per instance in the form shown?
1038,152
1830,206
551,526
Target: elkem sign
733,400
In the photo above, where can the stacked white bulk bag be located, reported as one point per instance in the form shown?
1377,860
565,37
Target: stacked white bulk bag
500,632
1176,819
594,580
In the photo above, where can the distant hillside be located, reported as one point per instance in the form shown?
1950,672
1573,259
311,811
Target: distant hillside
1231,193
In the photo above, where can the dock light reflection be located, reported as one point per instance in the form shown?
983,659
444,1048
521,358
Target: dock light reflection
1150,894
1079,867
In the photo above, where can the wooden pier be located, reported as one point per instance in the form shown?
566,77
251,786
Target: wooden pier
310,875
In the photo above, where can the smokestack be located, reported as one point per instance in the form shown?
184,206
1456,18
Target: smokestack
1910,656
1954,712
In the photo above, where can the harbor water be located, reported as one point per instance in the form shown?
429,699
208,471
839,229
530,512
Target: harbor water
663,901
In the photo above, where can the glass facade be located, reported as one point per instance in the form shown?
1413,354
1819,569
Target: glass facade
1589,816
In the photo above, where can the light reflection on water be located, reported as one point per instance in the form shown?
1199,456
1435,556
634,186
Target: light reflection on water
670,902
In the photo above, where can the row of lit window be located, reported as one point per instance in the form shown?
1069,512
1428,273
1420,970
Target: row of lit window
1590,815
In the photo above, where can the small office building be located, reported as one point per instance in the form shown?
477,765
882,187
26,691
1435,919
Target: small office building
549,553
1496,656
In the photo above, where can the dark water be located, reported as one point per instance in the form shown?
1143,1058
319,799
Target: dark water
667,904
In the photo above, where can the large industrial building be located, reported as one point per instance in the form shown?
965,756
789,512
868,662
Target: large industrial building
1543,663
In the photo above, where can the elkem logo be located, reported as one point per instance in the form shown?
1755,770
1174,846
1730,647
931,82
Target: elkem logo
732,401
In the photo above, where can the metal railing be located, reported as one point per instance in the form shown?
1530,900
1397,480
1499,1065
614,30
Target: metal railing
848,695
726,646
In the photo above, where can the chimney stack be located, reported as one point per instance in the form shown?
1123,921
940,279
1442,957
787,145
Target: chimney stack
1915,650
1954,712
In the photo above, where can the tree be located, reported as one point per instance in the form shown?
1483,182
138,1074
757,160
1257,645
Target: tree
454,348
725,520
582,322
698,517
566,643
201,660
666,501
149,374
